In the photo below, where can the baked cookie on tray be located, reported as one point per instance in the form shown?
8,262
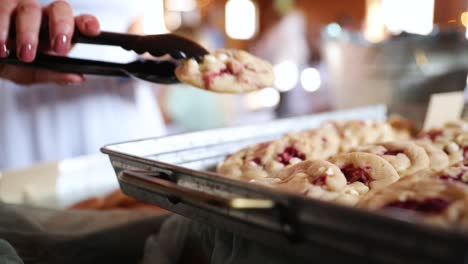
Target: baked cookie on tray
405,157
458,174
363,172
459,124
265,158
227,71
455,146
438,159
427,196
401,127
262,160
244,164
355,133
325,141
318,179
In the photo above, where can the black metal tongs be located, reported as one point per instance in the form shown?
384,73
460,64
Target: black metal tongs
157,71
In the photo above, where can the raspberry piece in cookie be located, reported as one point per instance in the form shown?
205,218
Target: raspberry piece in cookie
363,171
289,153
405,157
245,164
227,71
457,174
314,178
424,196
425,206
319,143
264,159
431,135
325,141
450,132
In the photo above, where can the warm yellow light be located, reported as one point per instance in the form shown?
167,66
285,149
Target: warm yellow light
374,30
181,5
464,18
466,33
241,19
420,57
415,16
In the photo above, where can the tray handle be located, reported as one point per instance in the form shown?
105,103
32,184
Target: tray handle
175,193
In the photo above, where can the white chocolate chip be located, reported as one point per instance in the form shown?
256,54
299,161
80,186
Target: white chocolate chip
321,170
192,66
209,58
403,196
276,166
347,133
360,187
451,173
294,161
465,177
351,191
223,57
329,171
452,147
300,175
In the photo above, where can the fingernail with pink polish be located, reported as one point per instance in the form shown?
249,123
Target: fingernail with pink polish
61,44
4,52
26,52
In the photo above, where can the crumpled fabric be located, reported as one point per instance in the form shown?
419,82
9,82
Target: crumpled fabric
8,254
52,236
182,240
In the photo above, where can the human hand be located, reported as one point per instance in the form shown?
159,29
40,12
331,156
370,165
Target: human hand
27,15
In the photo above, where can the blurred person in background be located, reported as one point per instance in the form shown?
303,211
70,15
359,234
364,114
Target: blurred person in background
300,48
49,116
288,27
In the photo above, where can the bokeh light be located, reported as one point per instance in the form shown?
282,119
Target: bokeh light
180,5
464,18
310,79
241,19
286,75
265,98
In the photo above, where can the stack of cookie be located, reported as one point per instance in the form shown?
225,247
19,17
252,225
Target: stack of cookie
373,165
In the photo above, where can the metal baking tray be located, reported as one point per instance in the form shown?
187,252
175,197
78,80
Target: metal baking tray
177,173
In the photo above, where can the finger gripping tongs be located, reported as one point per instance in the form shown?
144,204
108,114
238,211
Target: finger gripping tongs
153,70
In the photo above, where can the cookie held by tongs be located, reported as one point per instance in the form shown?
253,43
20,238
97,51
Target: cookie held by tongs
227,71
